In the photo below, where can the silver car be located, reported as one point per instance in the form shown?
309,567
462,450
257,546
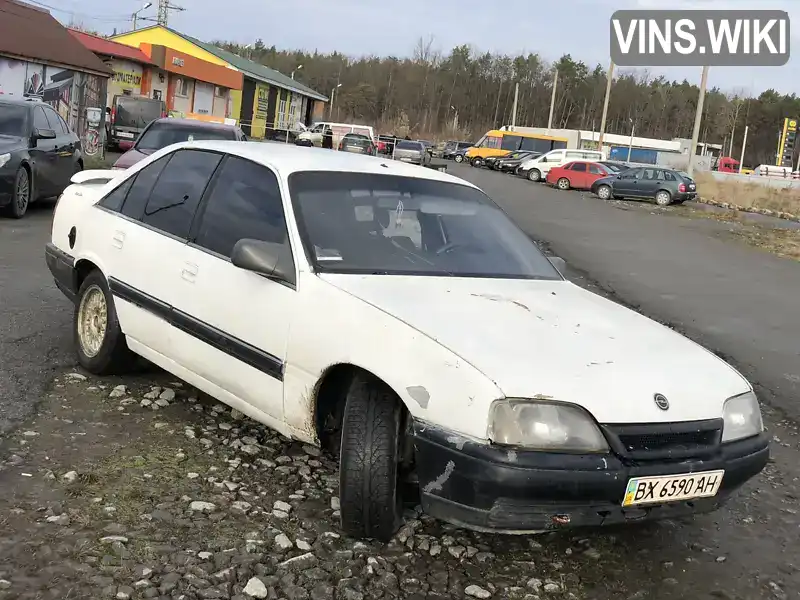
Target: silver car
412,152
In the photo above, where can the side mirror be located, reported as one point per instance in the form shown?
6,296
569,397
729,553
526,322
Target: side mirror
558,262
264,258
44,134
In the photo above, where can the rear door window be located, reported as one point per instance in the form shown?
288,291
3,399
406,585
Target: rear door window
136,112
177,192
579,166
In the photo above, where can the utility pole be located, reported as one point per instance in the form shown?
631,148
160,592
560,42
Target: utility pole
552,102
697,118
605,107
744,143
514,110
497,104
163,11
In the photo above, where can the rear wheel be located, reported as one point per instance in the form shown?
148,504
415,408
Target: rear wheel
99,341
534,175
563,183
604,192
372,432
22,194
663,198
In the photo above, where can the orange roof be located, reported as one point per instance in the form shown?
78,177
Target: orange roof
105,47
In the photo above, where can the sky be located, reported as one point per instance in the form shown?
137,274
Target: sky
382,27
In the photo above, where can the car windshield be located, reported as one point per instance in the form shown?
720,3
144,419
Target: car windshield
161,135
136,112
612,167
389,225
13,119
409,146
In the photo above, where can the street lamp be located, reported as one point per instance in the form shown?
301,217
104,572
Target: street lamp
297,69
333,96
135,15
630,144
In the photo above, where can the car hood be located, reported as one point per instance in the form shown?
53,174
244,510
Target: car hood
9,143
130,158
607,180
555,340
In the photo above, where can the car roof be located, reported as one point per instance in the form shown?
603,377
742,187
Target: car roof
194,123
287,159
27,102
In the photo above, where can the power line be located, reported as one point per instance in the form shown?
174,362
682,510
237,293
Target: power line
164,7
108,18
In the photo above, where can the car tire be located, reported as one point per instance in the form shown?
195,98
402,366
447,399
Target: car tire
563,183
458,158
604,192
23,184
477,162
368,461
534,175
101,347
663,198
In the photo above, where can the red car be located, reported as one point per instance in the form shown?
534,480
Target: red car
579,175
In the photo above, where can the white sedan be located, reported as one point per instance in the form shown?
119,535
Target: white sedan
396,316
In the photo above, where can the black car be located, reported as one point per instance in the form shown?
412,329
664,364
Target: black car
510,163
355,142
665,186
39,154
490,161
452,148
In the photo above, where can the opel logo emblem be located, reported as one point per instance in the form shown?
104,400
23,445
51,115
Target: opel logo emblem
661,401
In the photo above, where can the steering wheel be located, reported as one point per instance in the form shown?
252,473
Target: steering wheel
451,246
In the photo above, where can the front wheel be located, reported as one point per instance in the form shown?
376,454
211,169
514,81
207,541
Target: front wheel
604,192
477,162
99,341
563,183
534,175
458,158
369,459
663,198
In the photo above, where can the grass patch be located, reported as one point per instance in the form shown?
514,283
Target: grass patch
749,195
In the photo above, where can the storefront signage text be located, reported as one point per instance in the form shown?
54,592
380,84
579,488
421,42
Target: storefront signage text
128,78
177,61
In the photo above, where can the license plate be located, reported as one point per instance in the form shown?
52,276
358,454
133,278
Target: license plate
353,149
405,159
124,134
672,488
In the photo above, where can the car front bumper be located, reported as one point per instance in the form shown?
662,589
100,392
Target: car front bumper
62,267
490,488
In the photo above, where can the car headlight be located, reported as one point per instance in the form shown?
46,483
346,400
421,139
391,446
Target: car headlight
542,425
742,416
4,158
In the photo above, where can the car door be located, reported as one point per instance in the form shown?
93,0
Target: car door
236,320
627,183
145,243
45,157
577,175
595,172
65,149
648,183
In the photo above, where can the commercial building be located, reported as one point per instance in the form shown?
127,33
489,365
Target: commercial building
40,59
265,103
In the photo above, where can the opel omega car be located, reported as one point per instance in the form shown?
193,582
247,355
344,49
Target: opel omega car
397,317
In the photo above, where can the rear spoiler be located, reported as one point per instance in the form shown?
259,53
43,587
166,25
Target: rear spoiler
95,176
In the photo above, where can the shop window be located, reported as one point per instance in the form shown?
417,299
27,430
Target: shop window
182,88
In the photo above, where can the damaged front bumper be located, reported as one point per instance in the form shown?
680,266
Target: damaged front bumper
490,488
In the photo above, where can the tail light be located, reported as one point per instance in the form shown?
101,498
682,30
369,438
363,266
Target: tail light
341,145
682,187
113,114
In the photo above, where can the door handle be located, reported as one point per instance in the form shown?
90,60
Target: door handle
118,239
189,272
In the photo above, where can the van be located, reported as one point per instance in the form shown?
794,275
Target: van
128,117
314,135
537,168
499,142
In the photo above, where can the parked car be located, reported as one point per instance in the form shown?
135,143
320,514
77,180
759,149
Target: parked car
428,146
510,163
345,264
38,154
614,166
128,117
490,161
665,186
452,147
536,169
412,152
171,130
360,144
339,130
460,155
579,175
